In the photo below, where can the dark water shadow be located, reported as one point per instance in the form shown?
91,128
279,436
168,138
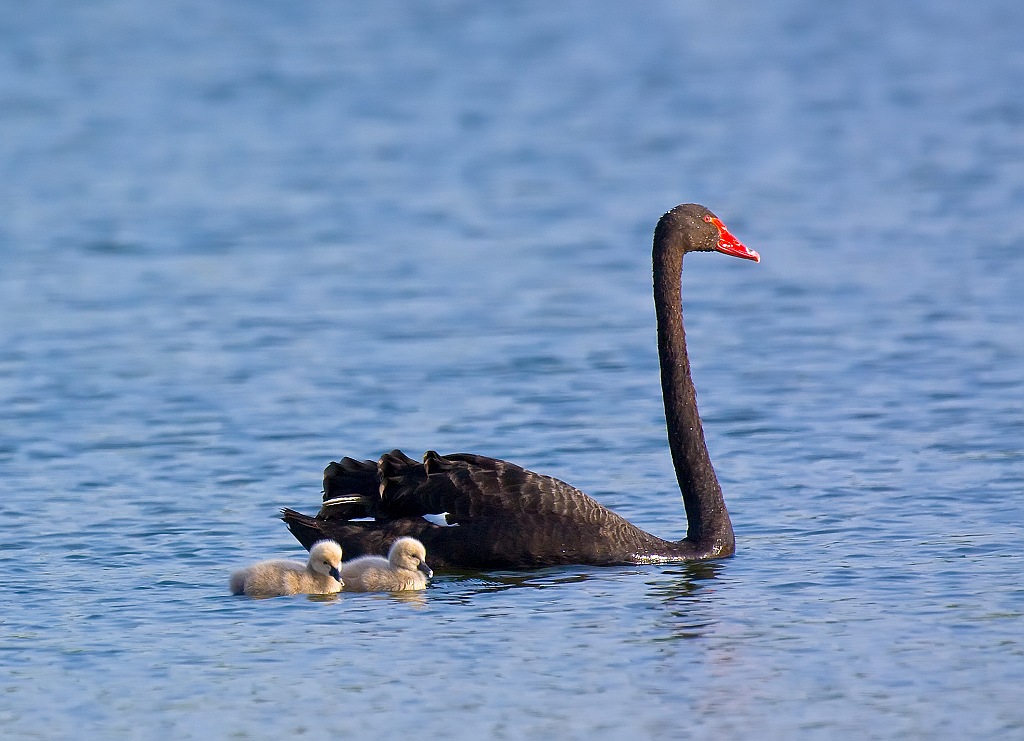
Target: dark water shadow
668,585
682,595
474,583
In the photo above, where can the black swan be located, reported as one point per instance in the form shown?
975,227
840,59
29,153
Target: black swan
502,516
320,575
405,569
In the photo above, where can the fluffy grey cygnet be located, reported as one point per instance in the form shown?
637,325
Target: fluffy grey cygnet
404,569
320,575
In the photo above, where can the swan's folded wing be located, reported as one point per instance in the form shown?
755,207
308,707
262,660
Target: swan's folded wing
463,486
504,516
352,489
470,487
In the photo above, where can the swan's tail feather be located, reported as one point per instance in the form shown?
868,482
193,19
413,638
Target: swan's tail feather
305,528
349,476
434,462
351,490
346,499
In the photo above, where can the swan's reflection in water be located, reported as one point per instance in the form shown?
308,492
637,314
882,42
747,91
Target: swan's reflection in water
681,593
415,598
686,577
473,583
333,597
678,592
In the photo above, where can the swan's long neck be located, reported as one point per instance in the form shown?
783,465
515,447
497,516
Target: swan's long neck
708,525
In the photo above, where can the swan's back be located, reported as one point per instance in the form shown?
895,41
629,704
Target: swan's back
273,579
403,570
463,486
503,515
276,578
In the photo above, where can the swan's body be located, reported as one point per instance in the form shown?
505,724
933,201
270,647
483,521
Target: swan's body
502,516
320,575
405,569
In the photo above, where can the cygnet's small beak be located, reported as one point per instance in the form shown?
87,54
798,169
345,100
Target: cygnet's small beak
426,569
336,573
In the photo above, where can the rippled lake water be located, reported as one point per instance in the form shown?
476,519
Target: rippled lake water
241,240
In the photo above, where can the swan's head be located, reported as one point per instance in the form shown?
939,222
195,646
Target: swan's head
409,554
325,558
691,227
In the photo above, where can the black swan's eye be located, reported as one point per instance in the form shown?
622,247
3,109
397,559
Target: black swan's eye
707,219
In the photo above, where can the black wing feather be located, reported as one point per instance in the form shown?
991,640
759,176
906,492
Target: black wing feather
503,515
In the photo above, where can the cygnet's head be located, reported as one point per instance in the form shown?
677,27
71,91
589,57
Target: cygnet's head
409,553
325,558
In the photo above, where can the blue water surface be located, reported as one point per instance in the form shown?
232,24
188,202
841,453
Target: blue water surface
240,240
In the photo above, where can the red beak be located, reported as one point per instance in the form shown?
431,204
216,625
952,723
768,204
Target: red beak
729,245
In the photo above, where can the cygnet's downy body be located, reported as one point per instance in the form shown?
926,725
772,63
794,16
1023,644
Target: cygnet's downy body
404,569
320,575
